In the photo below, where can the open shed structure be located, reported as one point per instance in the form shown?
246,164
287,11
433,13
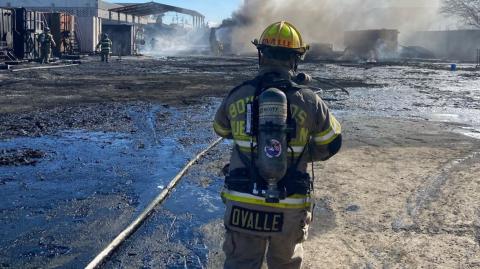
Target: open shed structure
153,8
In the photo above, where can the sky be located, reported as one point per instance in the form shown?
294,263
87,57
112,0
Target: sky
214,10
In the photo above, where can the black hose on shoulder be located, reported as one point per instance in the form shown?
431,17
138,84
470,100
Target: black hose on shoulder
324,81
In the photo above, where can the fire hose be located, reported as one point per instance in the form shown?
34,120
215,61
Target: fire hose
42,67
304,79
337,86
127,232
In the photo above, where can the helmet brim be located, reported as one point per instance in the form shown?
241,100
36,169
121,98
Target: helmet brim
262,47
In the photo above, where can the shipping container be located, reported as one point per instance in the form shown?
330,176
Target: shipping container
6,30
27,25
62,27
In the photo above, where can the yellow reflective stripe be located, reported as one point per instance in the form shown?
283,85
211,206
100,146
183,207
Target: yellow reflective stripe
243,137
244,144
296,149
245,147
293,203
294,143
330,134
328,141
246,150
220,130
324,133
299,196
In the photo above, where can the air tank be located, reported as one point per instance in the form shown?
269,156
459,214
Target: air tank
272,139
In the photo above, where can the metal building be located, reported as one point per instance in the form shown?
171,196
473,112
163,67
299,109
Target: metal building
90,16
123,22
6,34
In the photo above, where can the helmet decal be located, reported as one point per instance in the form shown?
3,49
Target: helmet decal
283,35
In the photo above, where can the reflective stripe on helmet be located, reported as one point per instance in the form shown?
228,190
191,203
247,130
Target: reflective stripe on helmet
295,201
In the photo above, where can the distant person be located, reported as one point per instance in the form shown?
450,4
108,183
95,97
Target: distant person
267,188
153,43
105,46
46,43
67,42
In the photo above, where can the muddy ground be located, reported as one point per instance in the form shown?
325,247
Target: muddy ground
84,149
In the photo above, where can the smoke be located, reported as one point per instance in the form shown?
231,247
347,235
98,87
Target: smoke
160,42
325,21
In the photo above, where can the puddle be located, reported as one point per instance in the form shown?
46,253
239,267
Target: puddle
469,131
418,91
445,117
79,163
79,167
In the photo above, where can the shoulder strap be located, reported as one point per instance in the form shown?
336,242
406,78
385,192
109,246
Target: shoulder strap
252,82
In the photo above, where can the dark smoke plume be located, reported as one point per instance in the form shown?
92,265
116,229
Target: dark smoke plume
324,21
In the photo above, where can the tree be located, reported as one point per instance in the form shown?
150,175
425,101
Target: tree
467,10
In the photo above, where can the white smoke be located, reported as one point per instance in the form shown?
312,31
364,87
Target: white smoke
325,21
181,42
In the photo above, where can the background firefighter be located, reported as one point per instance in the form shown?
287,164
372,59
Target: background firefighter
254,225
46,44
105,46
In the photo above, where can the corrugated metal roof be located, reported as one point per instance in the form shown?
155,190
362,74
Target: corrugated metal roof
106,6
153,8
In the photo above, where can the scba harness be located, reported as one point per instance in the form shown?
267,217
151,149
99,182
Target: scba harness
249,180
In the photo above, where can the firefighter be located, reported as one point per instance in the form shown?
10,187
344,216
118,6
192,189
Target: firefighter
46,44
258,226
67,42
105,46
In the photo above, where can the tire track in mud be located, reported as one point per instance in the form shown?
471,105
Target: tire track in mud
421,199
145,122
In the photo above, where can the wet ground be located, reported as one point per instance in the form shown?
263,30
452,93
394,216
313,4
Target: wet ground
89,184
99,141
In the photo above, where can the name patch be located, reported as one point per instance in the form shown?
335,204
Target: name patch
254,220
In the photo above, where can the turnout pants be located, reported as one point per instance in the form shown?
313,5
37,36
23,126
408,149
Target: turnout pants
105,56
45,56
278,235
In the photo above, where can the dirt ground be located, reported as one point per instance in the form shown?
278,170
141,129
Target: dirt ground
81,145
400,195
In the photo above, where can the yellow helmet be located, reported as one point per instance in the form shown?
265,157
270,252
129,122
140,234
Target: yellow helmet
282,35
